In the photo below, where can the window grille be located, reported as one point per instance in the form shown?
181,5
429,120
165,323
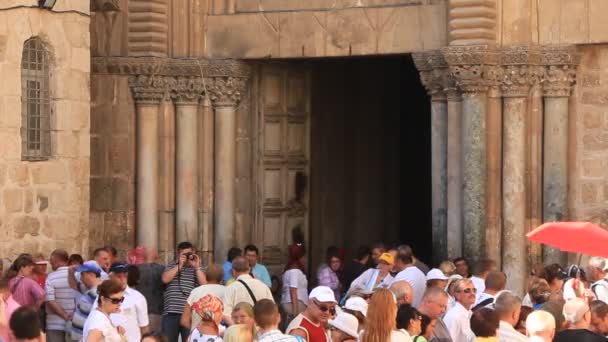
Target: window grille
35,99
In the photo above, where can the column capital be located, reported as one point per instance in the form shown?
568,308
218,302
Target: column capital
521,70
559,74
434,74
225,91
474,68
148,89
186,90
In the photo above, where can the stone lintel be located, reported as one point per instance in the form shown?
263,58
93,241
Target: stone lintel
170,66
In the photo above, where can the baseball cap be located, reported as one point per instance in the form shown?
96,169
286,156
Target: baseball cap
387,258
323,294
89,268
347,323
356,304
119,267
436,274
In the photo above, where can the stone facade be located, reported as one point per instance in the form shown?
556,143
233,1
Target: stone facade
45,204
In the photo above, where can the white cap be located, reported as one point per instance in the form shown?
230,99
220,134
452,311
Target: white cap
436,273
346,323
323,294
356,304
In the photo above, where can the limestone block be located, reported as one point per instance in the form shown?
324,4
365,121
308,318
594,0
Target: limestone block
595,141
66,144
48,172
18,174
99,157
352,32
28,205
78,170
80,6
81,59
593,119
23,225
10,148
121,158
11,78
65,199
13,200
549,21
246,35
598,25
71,84
432,36
397,34
50,223
302,34
3,39
589,193
76,34
3,172
14,3
574,22
10,111
101,194
84,145
42,202
594,168
122,194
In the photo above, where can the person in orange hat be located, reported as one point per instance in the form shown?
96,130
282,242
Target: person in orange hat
210,309
373,278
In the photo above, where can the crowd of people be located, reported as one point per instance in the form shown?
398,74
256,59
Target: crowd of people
381,294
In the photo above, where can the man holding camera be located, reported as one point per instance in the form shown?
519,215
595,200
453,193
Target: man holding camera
180,277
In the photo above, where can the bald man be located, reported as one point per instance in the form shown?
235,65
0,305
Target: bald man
540,326
403,292
576,311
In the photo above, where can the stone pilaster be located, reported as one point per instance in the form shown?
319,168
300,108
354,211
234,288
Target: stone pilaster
454,217
494,173
558,78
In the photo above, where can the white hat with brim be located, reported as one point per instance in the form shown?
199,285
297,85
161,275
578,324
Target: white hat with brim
356,304
436,274
346,323
323,294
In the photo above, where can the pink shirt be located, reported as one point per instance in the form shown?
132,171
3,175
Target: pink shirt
25,290
10,306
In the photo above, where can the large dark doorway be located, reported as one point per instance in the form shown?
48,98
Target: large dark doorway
370,155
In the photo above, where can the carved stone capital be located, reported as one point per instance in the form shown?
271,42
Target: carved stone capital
559,74
148,89
186,90
225,91
434,74
169,67
520,70
474,68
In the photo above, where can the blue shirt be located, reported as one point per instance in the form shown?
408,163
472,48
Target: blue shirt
227,271
261,273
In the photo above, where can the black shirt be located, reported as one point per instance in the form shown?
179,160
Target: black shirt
578,335
151,286
351,271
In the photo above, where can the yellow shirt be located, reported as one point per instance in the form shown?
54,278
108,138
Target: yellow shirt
486,339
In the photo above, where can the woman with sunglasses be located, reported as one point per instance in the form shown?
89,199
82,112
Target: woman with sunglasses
381,321
98,326
409,320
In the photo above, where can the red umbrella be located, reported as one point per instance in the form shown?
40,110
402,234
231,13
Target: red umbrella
576,237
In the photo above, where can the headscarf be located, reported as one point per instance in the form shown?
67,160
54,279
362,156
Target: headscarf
210,308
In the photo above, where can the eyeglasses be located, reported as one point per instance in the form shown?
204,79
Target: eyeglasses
325,308
469,290
116,300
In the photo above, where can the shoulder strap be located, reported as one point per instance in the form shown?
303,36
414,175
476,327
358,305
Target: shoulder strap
483,303
248,290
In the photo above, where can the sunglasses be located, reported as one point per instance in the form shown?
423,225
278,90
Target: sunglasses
325,308
116,300
469,290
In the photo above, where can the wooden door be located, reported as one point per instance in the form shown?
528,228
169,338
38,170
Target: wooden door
282,160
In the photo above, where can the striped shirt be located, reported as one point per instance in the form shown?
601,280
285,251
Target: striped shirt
178,290
83,309
59,290
25,290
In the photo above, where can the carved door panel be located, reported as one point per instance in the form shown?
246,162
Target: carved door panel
282,160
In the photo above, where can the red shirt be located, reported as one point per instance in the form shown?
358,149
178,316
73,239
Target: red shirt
41,280
316,333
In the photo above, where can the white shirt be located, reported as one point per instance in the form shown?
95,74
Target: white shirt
569,292
457,320
506,333
236,292
480,285
483,296
294,278
97,320
365,277
195,335
133,314
416,278
275,336
406,338
600,288
208,289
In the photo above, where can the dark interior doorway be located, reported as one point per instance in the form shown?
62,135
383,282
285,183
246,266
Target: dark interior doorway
370,155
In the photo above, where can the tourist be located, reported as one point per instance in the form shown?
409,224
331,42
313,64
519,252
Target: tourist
540,326
484,325
151,286
599,317
462,267
344,328
577,314
75,260
40,269
596,271
409,321
377,250
181,276
357,307
133,315
434,304
328,274
450,289
154,336
258,270
427,327
8,305
574,286
508,308
23,288
267,318
521,321
294,295
25,325
494,283
554,275
381,323
539,292
404,294
232,253
59,298
355,266
407,250
210,309
373,278
214,275
113,253
103,258
404,264
436,278
243,323
457,319
245,288
98,326
447,267
90,276
483,268
310,324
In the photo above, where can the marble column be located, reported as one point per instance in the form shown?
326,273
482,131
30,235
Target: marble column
148,91
439,168
225,94
515,102
206,174
494,171
186,100
559,75
454,174
535,169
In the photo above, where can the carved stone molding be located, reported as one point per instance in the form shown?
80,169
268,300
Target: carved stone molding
169,66
472,22
225,91
559,75
521,70
474,68
434,74
186,90
148,89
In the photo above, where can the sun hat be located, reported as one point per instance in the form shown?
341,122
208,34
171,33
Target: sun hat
436,274
356,304
89,268
387,258
210,308
323,294
346,323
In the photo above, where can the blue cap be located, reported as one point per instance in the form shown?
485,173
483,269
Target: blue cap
88,267
119,267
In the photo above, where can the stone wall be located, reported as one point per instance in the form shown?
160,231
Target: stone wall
45,204
589,137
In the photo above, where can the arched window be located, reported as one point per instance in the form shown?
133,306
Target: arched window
35,98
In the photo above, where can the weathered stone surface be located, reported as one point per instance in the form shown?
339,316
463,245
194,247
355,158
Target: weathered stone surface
13,200
18,174
589,193
23,225
48,172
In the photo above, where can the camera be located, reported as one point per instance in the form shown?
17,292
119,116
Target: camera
190,256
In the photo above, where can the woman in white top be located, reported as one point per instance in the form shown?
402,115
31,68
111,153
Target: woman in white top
373,278
98,327
381,320
295,285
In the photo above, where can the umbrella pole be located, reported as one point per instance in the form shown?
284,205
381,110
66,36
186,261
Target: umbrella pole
580,257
